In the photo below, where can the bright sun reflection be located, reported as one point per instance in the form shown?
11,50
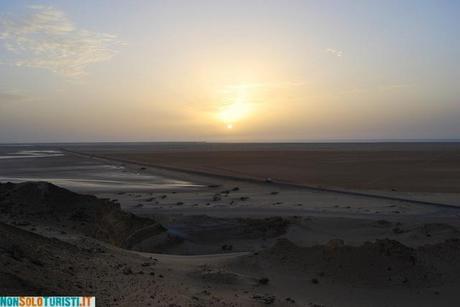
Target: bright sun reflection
236,106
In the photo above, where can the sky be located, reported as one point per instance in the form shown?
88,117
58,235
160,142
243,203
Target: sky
74,71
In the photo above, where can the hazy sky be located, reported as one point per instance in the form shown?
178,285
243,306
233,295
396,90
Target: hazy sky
229,70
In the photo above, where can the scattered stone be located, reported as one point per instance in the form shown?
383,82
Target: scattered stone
263,281
397,230
37,262
383,222
334,244
266,299
127,271
227,247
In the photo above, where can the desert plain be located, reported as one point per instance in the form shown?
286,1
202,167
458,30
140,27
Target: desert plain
232,224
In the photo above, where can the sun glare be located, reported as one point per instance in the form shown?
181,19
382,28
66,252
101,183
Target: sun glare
236,106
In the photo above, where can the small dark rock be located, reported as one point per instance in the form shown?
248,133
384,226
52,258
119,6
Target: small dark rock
263,281
127,271
227,247
397,230
266,299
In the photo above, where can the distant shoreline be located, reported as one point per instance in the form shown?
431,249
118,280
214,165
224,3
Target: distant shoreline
333,141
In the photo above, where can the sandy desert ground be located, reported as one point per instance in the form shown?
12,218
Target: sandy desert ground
193,239
426,171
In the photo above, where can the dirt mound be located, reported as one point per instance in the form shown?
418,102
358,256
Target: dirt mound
37,197
381,263
432,229
32,264
46,204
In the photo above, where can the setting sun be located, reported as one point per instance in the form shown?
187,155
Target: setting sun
236,106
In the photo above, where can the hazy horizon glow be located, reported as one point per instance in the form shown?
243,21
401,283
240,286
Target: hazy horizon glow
228,70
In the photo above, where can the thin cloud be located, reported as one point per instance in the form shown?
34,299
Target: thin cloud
46,38
337,53
379,88
285,84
